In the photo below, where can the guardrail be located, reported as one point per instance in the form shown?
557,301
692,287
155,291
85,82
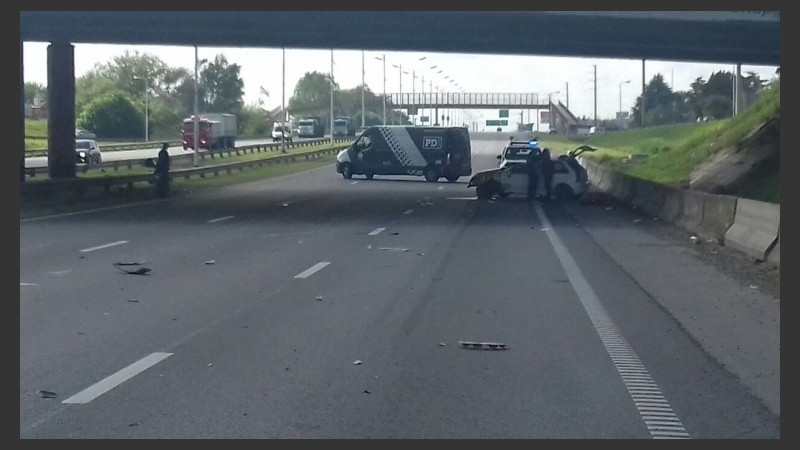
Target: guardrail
82,185
255,148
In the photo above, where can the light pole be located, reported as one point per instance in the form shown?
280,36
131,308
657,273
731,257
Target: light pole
196,108
400,73
146,109
619,115
384,86
550,110
283,101
362,88
413,95
331,122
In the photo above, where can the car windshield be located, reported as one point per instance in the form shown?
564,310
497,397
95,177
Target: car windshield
82,144
306,123
516,152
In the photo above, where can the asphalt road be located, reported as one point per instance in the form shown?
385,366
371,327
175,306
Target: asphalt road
124,155
312,273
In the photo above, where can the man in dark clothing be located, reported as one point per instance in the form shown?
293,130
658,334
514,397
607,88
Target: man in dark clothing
531,161
546,166
162,171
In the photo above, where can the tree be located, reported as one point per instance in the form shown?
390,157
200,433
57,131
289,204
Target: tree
112,116
252,121
224,87
661,103
312,92
35,90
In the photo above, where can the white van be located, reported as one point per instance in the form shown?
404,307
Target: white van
278,133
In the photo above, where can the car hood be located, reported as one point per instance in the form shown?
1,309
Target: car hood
483,176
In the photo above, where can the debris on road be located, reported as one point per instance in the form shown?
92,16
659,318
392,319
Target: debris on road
130,300
134,424
420,254
210,364
48,394
319,298
483,345
609,208
357,362
369,247
544,229
140,271
753,286
636,220
394,234
211,261
442,344
284,205
366,391
393,249
695,240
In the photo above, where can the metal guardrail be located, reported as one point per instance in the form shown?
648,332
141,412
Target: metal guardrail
255,148
81,185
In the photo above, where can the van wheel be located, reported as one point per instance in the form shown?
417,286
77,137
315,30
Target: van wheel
430,174
452,178
368,175
485,191
347,171
563,193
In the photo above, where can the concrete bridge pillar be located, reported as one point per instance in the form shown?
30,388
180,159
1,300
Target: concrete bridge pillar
61,110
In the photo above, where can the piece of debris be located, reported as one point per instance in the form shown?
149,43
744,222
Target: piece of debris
609,208
636,220
393,249
420,254
210,364
141,270
442,344
369,247
366,391
394,234
357,362
695,240
211,261
656,218
753,286
483,345
284,205
377,376
544,229
134,424
319,298
48,394
130,300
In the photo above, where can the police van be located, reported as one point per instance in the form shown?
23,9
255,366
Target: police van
433,152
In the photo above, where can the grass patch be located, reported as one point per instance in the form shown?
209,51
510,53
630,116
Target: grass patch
37,128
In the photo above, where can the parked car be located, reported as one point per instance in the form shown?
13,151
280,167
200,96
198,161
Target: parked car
88,151
84,134
570,179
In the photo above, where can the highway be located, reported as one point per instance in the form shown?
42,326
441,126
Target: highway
310,306
125,155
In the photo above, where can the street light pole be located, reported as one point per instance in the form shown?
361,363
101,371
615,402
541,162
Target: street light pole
619,116
413,96
283,101
362,88
384,86
196,109
331,122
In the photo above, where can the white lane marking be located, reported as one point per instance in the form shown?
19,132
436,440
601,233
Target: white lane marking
112,381
312,270
354,182
99,247
408,211
375,231
60,272
440,188
220,219
28,284
393,249
615,343
86,211
462,198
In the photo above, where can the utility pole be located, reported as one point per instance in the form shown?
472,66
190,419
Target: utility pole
384,88
413,97
283,102
595,95
422,110
331,122
362,88
644,96
567,94
196,109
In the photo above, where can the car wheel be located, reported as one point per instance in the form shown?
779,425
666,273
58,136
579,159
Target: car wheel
347,171
369,175
430,174
563,193
484,191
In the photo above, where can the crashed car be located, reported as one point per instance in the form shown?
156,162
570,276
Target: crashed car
570,179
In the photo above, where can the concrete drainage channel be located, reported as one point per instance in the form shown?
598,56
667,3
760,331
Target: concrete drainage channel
749,226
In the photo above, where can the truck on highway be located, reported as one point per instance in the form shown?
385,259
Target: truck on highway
311,127
343,126
216,131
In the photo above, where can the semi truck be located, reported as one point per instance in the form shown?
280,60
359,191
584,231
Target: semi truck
217,130
343,126
313,126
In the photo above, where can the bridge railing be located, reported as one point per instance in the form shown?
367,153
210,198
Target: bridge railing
434,99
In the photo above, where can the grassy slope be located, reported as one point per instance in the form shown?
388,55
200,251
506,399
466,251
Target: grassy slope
35,127
674,151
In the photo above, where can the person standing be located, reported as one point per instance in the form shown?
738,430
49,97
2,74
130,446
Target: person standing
531,161
546,166
162,171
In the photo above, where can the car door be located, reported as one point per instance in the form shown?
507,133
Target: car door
562,174
514,178
363,158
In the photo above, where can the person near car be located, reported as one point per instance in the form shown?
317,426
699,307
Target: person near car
162,171
546,166
531,161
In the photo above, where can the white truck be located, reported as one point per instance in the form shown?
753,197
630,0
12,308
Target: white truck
217,130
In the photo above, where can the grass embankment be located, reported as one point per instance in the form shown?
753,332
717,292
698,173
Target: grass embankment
670,153
38,129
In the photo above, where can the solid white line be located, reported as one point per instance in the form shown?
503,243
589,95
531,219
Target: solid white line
60,272
312,270
28,284
408,211
99,247
375,231
86,211
220,219
605,327
112,381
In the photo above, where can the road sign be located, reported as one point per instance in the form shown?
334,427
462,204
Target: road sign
503,113
424,119
496,123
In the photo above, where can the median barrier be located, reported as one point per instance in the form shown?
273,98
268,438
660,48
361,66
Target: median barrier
718,215
755,228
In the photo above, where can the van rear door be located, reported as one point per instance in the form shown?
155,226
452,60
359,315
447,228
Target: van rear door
458,146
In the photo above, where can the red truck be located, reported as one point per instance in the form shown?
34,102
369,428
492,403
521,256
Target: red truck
217,130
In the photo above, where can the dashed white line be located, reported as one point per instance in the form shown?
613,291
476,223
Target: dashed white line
112,381
99,247
60,272
354,182
440,188
312,270
28,284
408,211
628,364
375,231
220,219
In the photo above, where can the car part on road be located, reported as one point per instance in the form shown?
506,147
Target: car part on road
483,345
430,174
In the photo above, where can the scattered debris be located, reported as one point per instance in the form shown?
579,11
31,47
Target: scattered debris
420,254
80,332
134,424
140,271
211,261
369,247
48,394
366,391
442,344
753,286
656,219
319,298
544,229
377,376
357,362
714,252
483,345
394,234
284,205
695,240
609,208
636,220
130,300
393,249
210,364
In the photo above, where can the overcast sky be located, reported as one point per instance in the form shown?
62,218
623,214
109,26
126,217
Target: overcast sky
473,72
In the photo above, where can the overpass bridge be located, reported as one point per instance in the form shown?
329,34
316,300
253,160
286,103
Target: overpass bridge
467,100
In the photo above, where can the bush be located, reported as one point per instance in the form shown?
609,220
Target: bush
112,116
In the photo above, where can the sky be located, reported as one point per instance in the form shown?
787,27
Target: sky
484,73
